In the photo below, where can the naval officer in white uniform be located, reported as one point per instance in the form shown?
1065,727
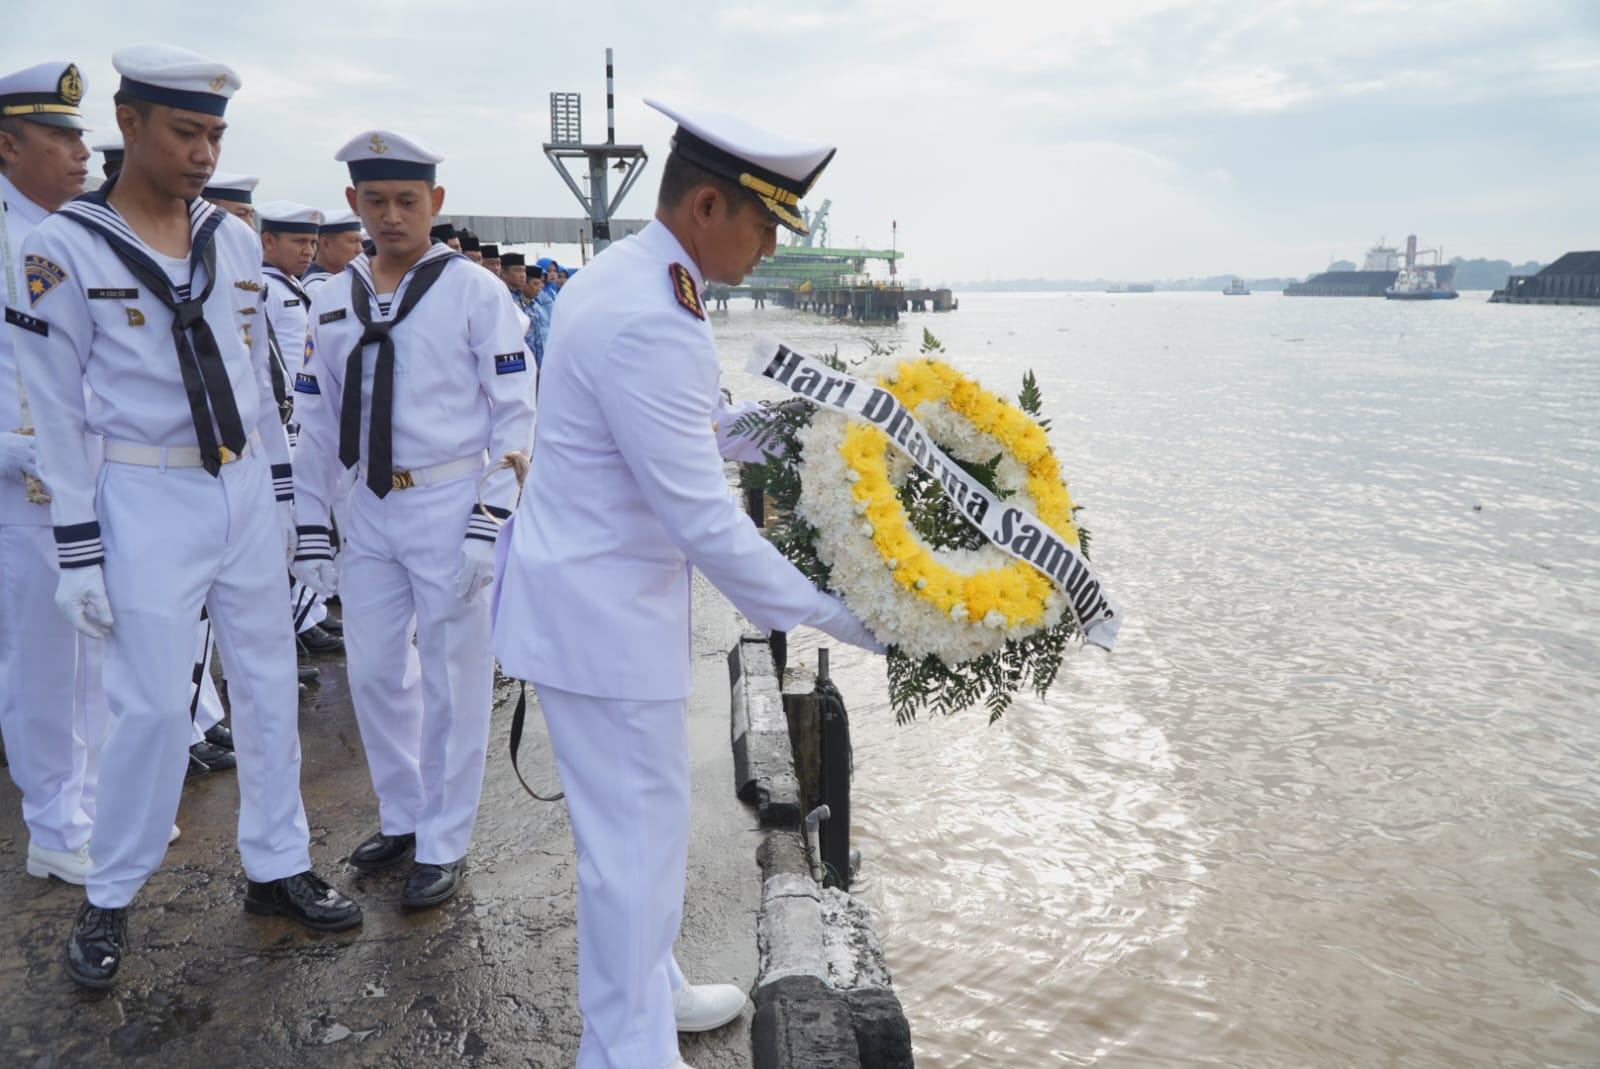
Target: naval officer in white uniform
415,377
338,243
625,498
138,292
49,737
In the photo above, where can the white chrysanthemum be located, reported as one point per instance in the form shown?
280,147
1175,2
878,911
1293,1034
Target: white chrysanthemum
898,616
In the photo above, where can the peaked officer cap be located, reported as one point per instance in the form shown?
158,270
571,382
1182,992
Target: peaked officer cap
775,169
48,93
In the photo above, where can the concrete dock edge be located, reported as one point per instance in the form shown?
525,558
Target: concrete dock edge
823,996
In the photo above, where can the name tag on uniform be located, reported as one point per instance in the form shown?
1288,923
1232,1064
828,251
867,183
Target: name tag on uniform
510,363
333,316
292,302
27,323
114,295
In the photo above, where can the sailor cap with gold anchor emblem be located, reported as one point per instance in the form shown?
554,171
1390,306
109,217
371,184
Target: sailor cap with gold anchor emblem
776,170
383,155
225,185
335,222
48,93
175,77
288,217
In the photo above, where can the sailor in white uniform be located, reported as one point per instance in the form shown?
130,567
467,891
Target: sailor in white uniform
48,736
138,292
233,193
338,243
415,378
626,497
110,149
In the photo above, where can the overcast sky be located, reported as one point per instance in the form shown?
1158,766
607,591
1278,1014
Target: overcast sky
1115,138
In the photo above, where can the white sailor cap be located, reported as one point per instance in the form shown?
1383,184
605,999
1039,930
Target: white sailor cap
343,219
224,185
49,93
176,77
383,155
776,170
111,148
288,217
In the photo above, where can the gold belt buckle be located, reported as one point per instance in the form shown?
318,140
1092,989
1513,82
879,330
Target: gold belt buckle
228,455
403,480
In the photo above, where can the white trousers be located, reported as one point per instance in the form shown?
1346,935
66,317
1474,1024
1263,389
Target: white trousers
625,769
426,739
52,707
176,540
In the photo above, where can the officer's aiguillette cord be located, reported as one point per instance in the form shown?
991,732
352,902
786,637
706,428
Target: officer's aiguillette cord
518,463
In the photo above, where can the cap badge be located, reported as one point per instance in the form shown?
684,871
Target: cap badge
316,217
378,146
71,86
218,82
684,289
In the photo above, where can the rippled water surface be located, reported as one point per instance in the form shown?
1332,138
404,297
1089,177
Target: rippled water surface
1334,800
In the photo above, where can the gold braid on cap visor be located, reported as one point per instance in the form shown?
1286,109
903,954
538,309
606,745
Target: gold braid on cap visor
40,109
777,200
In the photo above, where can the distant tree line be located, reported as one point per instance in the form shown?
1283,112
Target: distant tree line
1470,275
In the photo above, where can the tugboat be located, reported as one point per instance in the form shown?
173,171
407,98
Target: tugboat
1418,282
1236,288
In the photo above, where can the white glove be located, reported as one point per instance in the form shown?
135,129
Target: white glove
81,595
834,618
19,455
477,567
312,560
290,532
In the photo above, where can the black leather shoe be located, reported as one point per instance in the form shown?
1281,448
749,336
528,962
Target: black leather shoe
309,675
382,851
221,736
316,640
428,885
95,948
332,625
204,757
307,898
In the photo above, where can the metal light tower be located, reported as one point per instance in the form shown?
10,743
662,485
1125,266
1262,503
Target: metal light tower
566,143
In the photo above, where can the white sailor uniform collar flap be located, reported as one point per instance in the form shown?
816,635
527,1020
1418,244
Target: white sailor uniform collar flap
293,283
362,267
94,210
659,239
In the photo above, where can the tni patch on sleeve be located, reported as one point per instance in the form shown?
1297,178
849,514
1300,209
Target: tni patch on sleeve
510,363
304,383
27,322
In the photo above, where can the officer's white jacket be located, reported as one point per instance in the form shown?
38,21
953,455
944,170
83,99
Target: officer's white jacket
627,492
463,380
22,215
93,324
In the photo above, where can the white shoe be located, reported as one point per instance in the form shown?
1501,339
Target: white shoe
702,1007
68,867
173,836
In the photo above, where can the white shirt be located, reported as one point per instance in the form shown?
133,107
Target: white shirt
97,327
22,215
463,379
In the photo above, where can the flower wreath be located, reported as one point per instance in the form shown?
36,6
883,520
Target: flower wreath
964,619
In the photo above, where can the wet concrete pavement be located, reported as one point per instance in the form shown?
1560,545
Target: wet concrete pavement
487,979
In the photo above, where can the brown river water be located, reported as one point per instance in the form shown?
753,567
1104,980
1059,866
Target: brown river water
1333,802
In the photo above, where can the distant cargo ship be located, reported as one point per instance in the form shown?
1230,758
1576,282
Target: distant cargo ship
1573,279
1377,275
1133,287
1236,288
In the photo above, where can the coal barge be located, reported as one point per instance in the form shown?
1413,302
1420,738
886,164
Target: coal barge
1378,273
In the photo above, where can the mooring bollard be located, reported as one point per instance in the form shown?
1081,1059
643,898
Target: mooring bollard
834,837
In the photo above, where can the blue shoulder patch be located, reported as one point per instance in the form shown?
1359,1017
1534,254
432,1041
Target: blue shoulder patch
304,383
510,363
